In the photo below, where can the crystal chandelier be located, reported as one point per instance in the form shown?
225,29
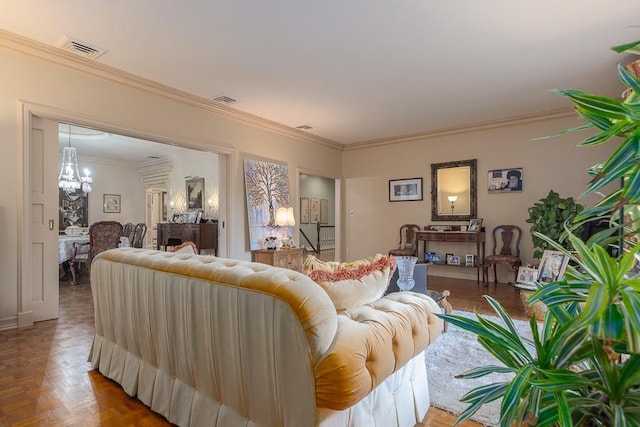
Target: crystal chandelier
69,179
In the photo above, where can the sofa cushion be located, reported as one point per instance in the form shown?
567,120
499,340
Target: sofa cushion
354,283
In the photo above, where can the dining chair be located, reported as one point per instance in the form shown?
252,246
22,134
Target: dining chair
508,237
138,235
128,231
103,235
408,241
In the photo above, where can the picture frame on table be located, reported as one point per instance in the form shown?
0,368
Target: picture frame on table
527,276
403,190
111,203
475,224
552,266
470,260
453,259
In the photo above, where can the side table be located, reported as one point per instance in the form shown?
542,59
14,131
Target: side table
441,299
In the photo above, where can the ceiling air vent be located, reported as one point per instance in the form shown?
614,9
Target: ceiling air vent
304,127
225,99
80,48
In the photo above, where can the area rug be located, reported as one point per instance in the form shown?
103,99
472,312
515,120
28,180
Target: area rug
455,352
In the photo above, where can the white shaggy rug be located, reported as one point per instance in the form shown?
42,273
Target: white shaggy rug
455,352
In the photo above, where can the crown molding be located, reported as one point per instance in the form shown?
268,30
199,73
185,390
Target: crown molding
58,56
471,127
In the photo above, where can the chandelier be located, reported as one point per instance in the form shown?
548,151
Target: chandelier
69,179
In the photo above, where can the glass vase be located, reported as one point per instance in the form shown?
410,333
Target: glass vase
406,265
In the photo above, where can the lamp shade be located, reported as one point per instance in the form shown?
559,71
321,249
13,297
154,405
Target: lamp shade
452,198
285,218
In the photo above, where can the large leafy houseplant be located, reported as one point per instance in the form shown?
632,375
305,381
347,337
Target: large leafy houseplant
547,216
582,367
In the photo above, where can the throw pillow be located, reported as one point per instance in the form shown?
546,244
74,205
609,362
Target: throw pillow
352,284
186,248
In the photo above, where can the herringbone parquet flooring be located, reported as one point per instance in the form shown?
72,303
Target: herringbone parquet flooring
45,379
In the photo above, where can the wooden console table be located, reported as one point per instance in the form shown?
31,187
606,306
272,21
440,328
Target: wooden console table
476,237
290,258
204,235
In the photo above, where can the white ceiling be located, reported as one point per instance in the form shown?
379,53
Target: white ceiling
355,71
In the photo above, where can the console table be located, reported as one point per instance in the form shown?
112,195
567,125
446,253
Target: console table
290,258
204,235
476,237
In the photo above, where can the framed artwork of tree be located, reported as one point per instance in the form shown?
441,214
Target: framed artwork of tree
267,187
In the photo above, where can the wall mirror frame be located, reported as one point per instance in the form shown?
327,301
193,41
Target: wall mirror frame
467,196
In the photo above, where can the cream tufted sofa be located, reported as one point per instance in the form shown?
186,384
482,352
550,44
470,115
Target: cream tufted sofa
208,341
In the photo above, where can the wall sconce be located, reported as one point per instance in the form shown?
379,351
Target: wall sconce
452,200
284,219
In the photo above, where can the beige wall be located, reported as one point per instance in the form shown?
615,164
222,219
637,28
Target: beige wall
135,110
547,164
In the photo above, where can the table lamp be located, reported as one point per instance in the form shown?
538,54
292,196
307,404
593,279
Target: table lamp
284,219
452,200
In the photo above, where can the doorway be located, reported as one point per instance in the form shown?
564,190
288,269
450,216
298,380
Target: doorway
37,259
319,216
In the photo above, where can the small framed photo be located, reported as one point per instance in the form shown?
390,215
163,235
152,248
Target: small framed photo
475,224
192,216
453,259
527,276
111,203
403,190
505,180
552,266
199,217
429,256
470,260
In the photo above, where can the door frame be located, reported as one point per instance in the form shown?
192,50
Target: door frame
337,203
28,110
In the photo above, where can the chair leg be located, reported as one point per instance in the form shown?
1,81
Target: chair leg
72,267
495,274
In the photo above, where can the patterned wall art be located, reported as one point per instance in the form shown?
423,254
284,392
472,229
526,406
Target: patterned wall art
267,188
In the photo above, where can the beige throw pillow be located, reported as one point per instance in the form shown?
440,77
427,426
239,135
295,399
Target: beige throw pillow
354,283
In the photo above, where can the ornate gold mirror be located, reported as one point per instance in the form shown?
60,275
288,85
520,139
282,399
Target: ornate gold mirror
454,190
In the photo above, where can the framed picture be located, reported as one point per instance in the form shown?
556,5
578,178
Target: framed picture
304,210
475,224
199,217
315,211
552,266
527,276
505,180
402,190
192,216
429,256
470,260
195,193
453,259
324,211
111,203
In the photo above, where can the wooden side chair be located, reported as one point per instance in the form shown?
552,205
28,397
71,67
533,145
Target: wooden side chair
103,235
140,231
408,241
508,237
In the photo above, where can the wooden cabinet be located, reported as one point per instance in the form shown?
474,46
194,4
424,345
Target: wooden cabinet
204,236
476,237
290,258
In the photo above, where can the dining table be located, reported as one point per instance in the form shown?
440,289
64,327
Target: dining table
65,246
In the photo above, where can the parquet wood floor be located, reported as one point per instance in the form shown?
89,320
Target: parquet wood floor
45,379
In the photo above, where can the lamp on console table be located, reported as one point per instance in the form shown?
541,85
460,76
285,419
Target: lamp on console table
284,219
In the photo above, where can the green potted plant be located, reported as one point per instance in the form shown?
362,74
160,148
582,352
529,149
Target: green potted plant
584,365
547,216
